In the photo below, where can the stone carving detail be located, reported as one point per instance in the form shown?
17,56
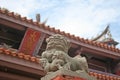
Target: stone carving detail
9,47
4,45
56,56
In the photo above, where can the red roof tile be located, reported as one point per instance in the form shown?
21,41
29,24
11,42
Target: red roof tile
30,21
19,55
36,60
100,76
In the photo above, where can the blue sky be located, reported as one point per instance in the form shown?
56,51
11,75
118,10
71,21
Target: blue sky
84,18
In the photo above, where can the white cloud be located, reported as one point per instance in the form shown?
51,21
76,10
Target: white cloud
84,17
26,7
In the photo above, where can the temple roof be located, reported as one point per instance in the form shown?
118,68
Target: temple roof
105,37
5,14
99,75
17,18
19,55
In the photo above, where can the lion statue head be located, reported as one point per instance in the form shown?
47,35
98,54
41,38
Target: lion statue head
58,42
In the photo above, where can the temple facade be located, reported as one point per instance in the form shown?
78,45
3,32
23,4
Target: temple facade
22,42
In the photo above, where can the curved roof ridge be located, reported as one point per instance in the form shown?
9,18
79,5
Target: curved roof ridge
103,33
57,31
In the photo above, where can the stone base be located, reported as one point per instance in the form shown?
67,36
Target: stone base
80,75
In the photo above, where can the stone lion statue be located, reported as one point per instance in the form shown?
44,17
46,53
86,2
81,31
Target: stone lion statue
55,43
56,56
54,66
74,64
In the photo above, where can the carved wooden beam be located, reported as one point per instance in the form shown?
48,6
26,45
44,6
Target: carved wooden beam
22,65
10,76
100,53
11,24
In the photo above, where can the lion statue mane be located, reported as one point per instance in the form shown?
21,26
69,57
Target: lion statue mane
56,56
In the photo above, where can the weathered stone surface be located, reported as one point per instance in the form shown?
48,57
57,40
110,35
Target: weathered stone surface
63,72
56,61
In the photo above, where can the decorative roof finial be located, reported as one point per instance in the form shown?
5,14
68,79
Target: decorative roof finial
109,33
38,17
106,37
44,22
